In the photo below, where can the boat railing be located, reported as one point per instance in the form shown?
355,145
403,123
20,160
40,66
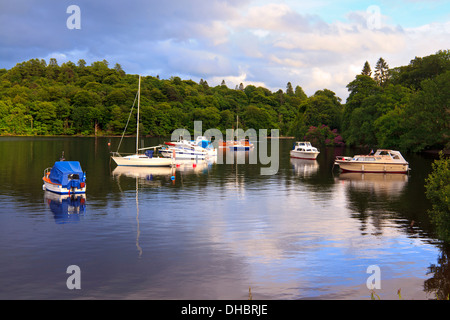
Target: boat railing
47,171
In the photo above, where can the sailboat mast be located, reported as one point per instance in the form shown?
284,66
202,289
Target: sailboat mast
237,127
139,102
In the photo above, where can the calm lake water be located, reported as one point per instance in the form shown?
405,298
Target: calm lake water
216,230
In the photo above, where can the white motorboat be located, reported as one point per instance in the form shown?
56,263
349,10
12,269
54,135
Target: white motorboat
304,150
146,159
200,149
186,152
382,161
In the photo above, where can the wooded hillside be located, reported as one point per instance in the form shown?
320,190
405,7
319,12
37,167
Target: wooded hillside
405,108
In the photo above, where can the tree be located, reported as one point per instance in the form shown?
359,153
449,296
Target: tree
204,84
437,187
289,89
366,69
381,72
420,69
427,118
85,113
45,112
52,71
360,89
300,93
227,120
18,121
209,116
81,63
257,118
53,62
119,69
67,73
323,108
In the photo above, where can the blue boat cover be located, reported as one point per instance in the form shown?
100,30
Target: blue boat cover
205,144
62,169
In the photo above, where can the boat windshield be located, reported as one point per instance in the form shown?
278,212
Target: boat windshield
364,159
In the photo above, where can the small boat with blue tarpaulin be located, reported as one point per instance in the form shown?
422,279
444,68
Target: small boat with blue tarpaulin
65,177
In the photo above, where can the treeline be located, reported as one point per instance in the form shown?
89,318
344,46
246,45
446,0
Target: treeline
47,99
405,107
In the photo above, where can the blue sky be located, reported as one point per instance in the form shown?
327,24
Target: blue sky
314,44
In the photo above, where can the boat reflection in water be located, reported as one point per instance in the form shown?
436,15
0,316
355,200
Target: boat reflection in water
304,168
193,165
65,208
155,177
152,176
149,176
389,184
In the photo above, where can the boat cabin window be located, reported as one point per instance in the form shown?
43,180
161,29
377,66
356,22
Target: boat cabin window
364,159
74,176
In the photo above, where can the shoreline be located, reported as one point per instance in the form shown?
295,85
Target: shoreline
103,136
433,152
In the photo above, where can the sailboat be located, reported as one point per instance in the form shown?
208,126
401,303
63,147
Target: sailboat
138,159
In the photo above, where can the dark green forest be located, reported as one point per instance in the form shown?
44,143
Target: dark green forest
406,108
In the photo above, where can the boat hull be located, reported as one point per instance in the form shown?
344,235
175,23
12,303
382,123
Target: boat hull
348,166
304,155
136,161
59,189
236,145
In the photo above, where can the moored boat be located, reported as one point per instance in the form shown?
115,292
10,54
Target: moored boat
304,150
241,145
237,145
184,152
65,177
199,149
382,161
140,159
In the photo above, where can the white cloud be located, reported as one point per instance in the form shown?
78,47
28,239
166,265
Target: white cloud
266,43
233,81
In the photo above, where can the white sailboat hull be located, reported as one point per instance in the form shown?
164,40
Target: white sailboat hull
142,161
